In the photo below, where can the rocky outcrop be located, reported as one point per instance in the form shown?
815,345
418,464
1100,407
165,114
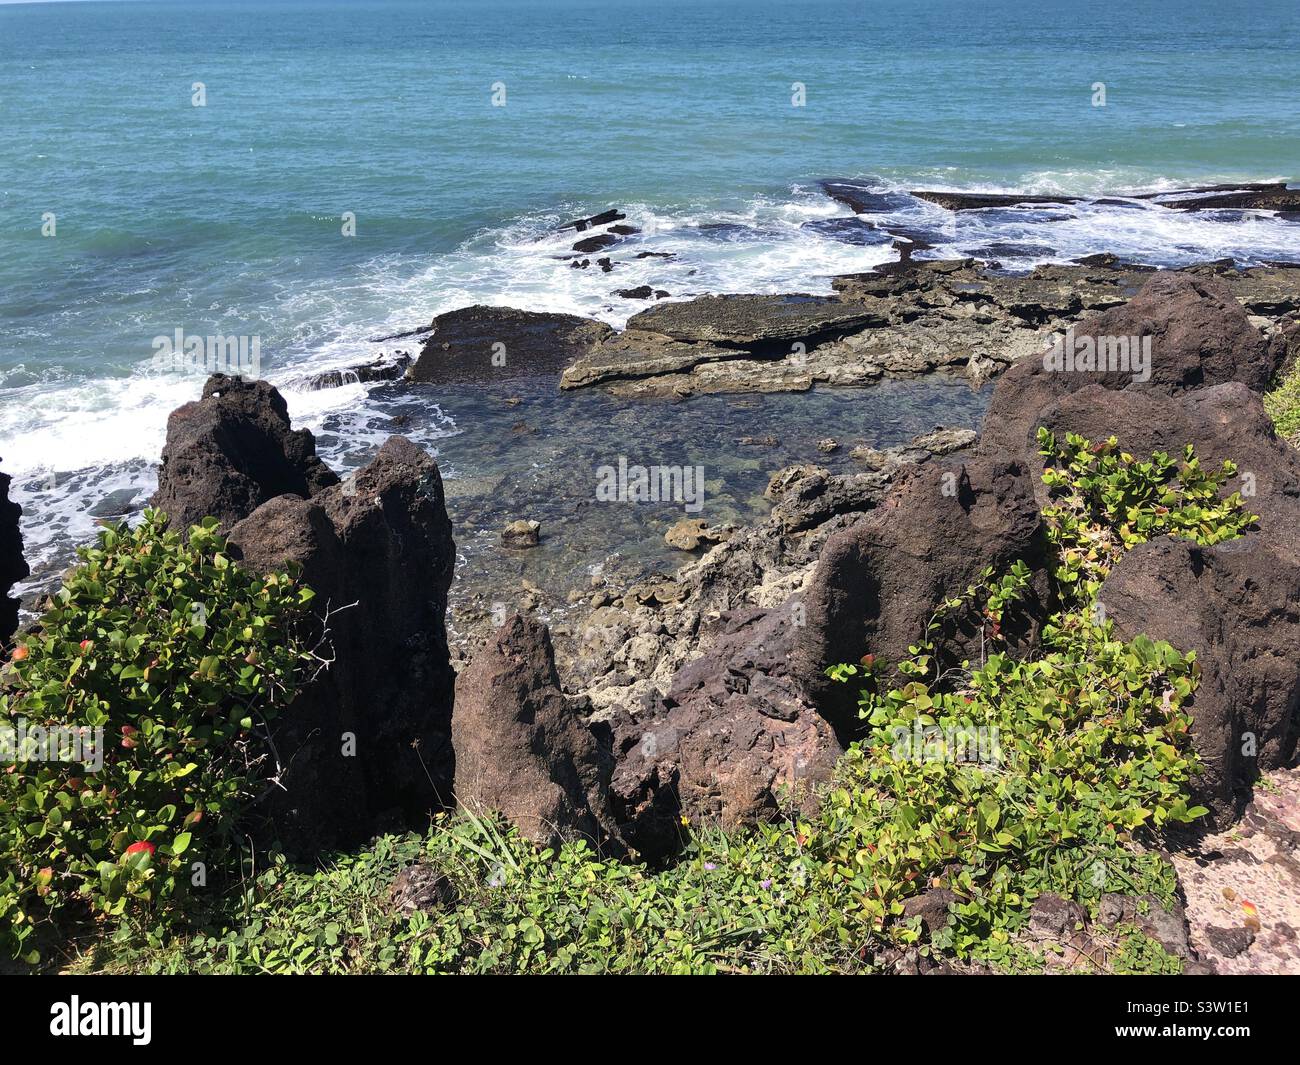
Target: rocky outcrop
1270,196
384,368
879,582
975,201
231,451
524,749
13,568
1198,335
1237,605
733,742
366,744
751,322
950,316
480,344
370,738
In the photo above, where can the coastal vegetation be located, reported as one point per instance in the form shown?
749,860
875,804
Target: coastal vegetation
914,849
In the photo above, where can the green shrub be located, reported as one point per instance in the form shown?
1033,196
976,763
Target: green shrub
1092,742
1282,404
1104,502
175,659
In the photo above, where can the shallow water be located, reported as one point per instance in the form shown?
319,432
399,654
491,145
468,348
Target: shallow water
226,218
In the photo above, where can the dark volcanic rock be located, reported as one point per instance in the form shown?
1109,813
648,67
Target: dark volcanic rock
974,201
1237,605
849,230
747,321
231,451
476,344
523,748
1200,336
1265,197
879,582
733,731
864,198
384,368
602,219
597,243
377,549
13,568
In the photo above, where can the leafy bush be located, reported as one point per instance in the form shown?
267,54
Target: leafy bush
1029,776
174,659
1282,404
1104,502
1092,743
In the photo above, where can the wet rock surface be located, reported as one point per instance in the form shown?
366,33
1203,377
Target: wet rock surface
502,344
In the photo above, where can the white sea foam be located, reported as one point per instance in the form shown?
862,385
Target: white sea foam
103,435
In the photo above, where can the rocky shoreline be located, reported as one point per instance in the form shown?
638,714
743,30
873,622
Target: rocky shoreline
701,694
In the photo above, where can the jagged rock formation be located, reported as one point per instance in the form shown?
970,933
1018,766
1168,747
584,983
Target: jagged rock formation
732,740
367,743
526,750
1234,604
231,451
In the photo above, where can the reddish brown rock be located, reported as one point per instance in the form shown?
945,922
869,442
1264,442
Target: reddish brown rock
1200,336
879,582
733,739
524,749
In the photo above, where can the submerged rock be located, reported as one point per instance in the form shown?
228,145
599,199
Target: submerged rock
522,533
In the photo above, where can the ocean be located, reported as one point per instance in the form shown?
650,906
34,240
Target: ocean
353,169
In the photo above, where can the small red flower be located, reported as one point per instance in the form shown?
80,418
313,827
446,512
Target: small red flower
141,846
20,653
86,645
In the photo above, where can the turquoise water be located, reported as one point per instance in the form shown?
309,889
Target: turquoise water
228,217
